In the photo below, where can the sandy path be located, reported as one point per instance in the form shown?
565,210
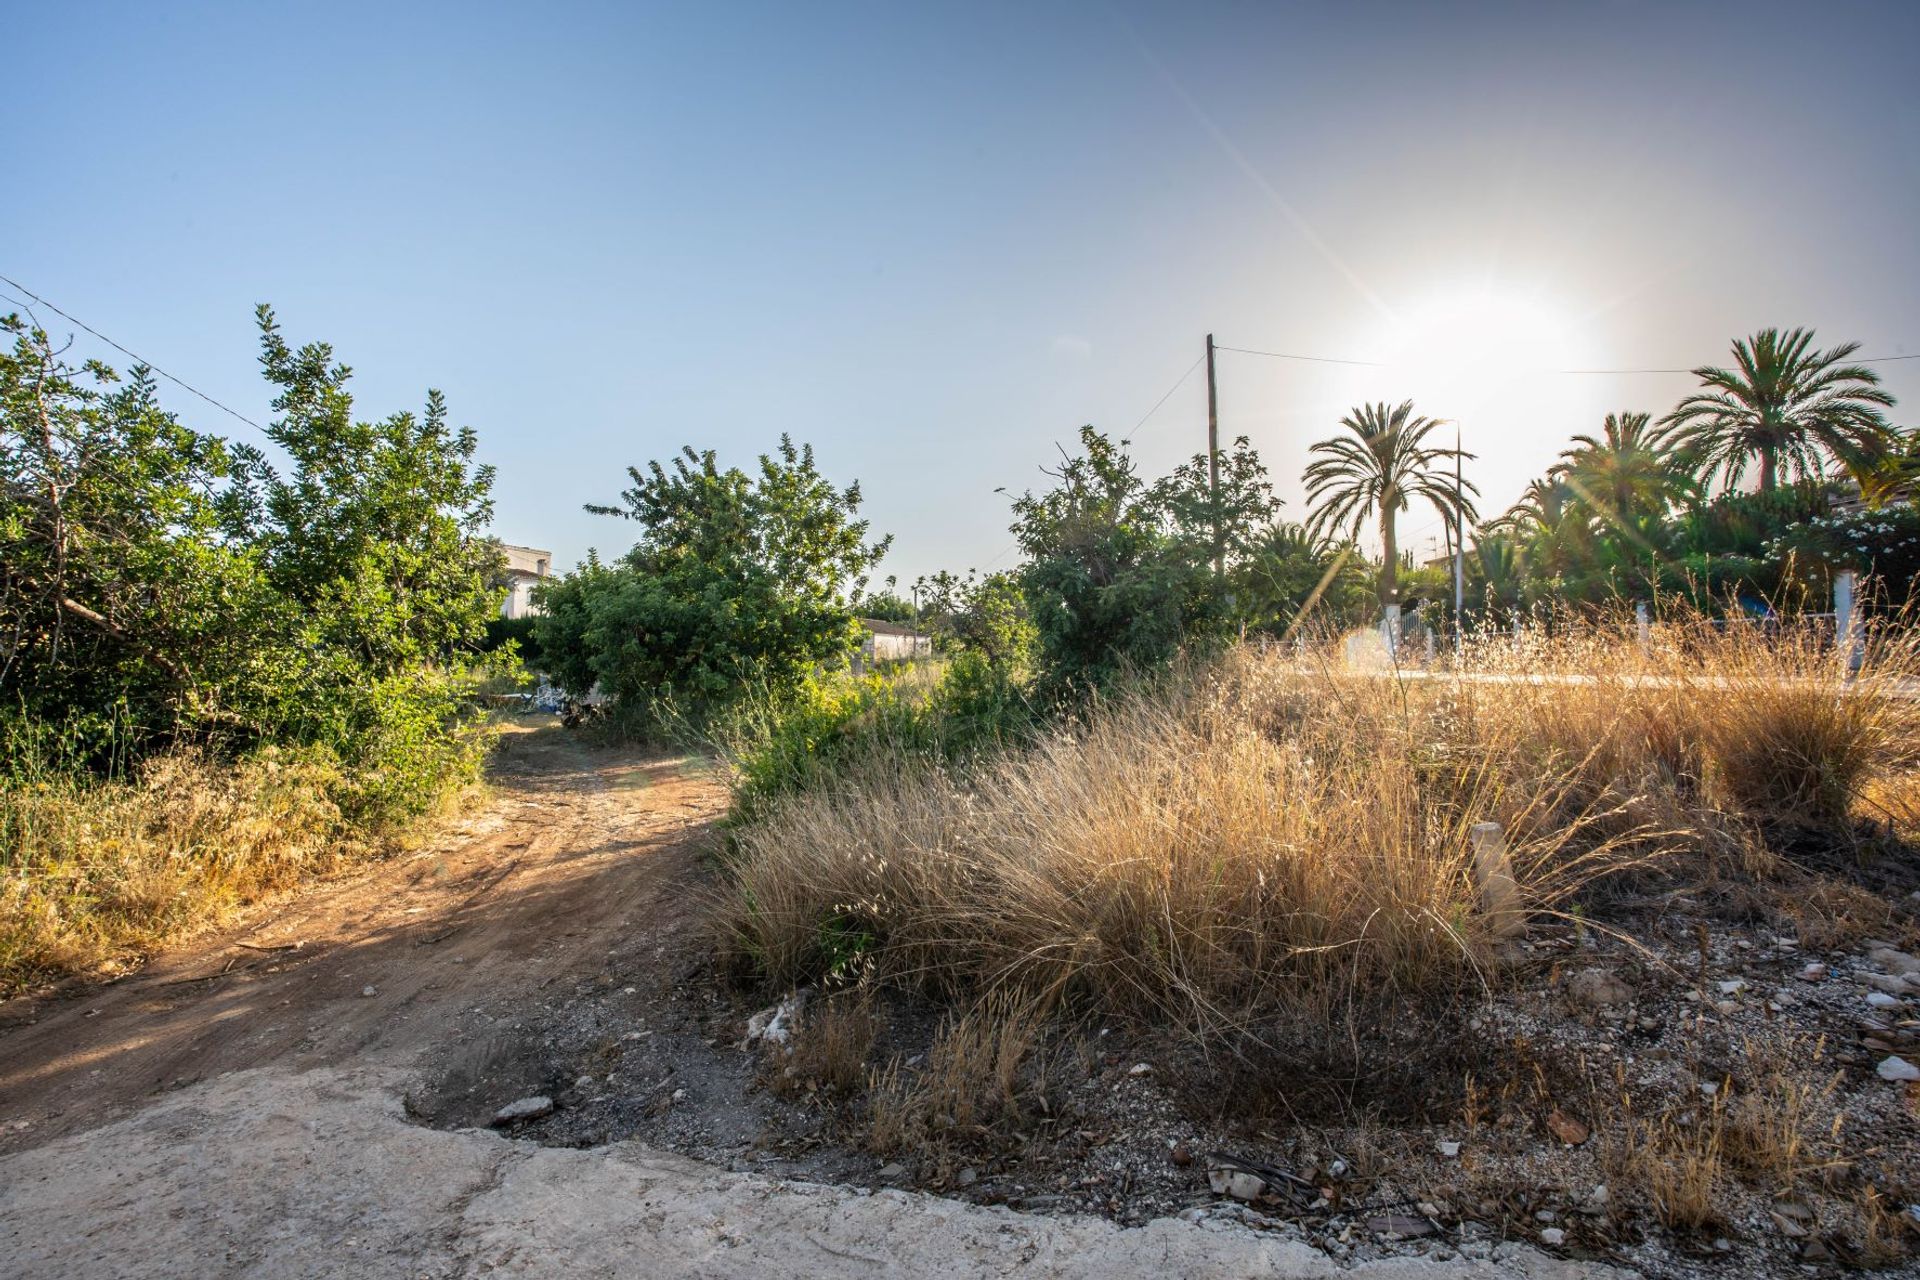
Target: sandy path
579,852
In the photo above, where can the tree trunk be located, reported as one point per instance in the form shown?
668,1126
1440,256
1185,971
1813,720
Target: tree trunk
1767,471
1390,566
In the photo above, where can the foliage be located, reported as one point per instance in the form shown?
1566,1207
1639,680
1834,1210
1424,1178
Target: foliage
1292,572
984,616
161,586
518,632
1785,405
739,582
1379,468
886,606
1120,573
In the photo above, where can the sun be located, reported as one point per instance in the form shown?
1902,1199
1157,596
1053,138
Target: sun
1464,343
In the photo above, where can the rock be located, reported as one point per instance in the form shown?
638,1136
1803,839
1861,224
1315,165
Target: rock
775,1026
1567,1129
1889,983
369,992
524,1109
1814,972
1598,989
1448,1150
890,1172
1181,1155
1725,1007
1892,961
966,1177
1897,1068
1140,1069
1881,1000
1733,986
1242,1185
1788,1227
1399,1226
1553,1236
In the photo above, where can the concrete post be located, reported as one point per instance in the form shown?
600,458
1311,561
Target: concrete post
1847,628
1390,630
1493,871
1643,624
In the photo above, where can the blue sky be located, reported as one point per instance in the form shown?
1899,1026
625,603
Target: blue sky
934,240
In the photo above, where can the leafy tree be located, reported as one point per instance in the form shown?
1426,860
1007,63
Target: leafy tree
1785,405
987,616
1119,572
377,533
121,610
739,582
887,605
1375,472
1292,572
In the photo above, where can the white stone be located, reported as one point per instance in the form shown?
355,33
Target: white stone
524,1109
1448,1150
1897,1068
1553,1236
1881,1000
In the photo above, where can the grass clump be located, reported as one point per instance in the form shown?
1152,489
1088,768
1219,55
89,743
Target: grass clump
1277,850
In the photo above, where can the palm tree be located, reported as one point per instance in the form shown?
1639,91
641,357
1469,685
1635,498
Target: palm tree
1377,470
1785,404
1623,473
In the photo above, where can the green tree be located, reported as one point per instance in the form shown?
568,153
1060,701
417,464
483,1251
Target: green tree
122,611
1379,468
738,583
1785,405
1119,572
1292,572
1623,474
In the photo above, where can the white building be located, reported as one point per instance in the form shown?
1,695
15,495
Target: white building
527,567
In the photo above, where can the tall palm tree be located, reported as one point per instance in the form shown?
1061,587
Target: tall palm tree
1786,405
1623,473
1375,471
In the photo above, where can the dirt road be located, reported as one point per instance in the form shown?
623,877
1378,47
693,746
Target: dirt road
579,854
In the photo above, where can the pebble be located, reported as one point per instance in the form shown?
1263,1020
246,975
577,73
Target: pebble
1140,1069
1448,1150
1553,1235
1897,1068
1894,961
524,1109
369,991
1881,1000
1598,989
1813,972
1733,986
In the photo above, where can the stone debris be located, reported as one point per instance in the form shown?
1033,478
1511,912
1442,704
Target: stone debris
775,1026
1598,989
1897,1068
531,1108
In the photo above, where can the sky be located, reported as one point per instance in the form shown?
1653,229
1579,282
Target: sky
934,240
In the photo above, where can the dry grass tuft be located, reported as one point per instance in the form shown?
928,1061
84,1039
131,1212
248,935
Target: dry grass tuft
828,1053
973,1089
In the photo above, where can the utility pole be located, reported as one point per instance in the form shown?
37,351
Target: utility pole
1213,459
1459,547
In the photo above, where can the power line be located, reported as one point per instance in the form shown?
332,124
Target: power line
140,359
1179,382
1381,364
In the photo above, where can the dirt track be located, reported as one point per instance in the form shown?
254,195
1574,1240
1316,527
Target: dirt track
578,853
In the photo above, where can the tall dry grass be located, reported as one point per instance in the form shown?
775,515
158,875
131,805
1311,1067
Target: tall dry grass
95,873
1280,840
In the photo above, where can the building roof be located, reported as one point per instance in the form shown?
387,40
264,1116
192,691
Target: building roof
527,560
883,628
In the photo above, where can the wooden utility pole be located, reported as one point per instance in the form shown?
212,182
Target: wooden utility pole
1213,459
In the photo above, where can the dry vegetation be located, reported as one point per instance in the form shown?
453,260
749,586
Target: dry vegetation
1256,835
1266,867
96,874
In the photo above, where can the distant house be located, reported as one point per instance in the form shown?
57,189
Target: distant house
892,642
527,568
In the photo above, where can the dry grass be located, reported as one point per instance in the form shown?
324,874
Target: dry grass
1264,841
1785,1126
828,1053
970,1091
94,874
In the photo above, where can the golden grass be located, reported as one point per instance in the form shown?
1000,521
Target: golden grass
1271,833
94,874
970,1090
